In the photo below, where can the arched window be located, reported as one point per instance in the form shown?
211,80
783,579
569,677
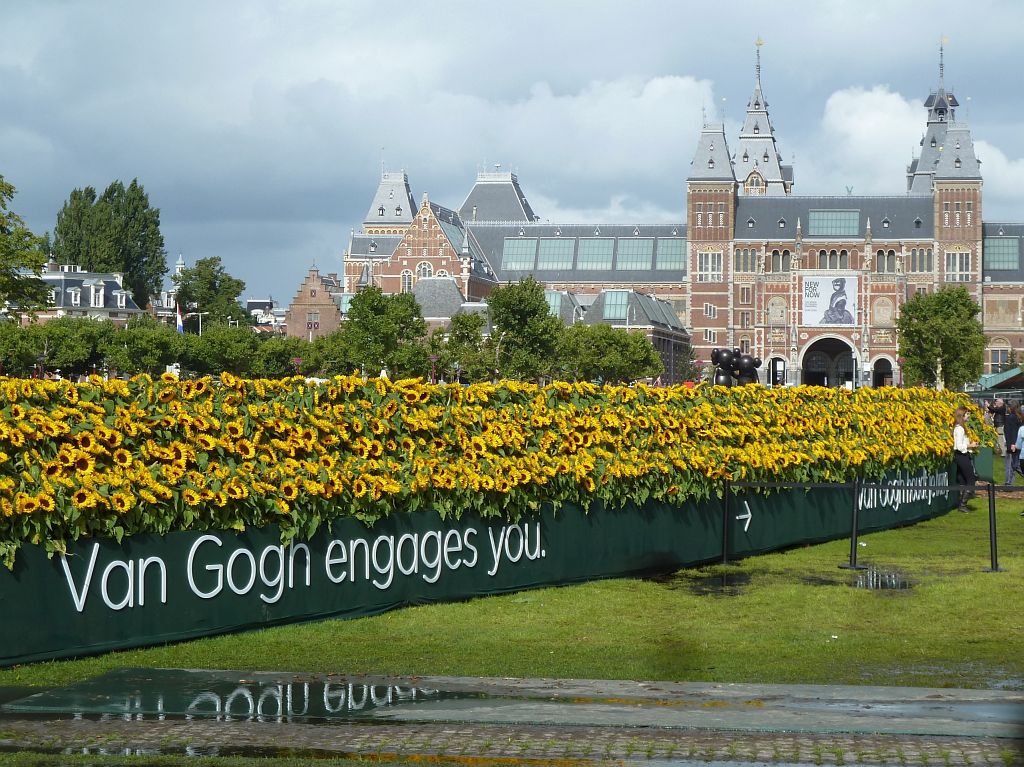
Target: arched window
424,269
844,260
442,273
822,259
406,281
833,259
380,211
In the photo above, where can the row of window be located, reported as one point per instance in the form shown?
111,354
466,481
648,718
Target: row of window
968,213
96,298
700,219
632,254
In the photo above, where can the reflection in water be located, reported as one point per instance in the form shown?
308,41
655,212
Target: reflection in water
878,580
221,695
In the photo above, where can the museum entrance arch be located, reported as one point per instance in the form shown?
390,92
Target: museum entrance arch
882,373
829,362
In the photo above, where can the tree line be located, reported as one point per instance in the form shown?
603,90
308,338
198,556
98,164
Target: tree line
381,333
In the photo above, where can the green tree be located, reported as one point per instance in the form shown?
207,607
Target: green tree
207,287
460,350
525,334
17,352
116,232
941,339
72,345
387,332
591,352
220,348
22,259
276,355
143,346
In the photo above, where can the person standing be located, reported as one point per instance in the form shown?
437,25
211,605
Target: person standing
1011,426
962,447
998,411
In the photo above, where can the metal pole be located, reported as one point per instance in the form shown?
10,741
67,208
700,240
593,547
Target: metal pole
992,528
853,532
725,522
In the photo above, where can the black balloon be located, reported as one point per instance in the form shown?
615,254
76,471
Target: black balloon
734,367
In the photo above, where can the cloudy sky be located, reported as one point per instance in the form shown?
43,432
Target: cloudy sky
259,129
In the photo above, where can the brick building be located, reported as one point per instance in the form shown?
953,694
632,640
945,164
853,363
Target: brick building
811,284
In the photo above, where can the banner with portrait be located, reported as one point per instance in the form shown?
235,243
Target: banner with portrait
829,301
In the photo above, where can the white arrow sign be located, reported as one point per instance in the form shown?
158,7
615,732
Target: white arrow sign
746,516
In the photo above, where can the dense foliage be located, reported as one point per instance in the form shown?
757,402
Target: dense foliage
22,257
942,341
112,458
117,231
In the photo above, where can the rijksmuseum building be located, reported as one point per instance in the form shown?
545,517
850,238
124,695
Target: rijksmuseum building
812,285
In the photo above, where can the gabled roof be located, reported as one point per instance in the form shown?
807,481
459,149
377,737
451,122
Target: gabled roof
756,149
496,196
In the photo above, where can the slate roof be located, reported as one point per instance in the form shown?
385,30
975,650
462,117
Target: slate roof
642,310
712,161
488,240
496,196
956,158
438,297
756,149
395,197
902,213
63,283
373,245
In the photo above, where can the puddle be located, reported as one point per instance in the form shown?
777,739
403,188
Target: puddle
724,584
222,696
874,579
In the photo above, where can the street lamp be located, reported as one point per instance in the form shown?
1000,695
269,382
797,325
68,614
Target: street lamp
433,369
899,363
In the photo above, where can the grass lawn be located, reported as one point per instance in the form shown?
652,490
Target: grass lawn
789,617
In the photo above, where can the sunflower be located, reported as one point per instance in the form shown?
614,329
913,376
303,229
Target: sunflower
122,501
191,496
122,457
205,442
359,487
290,490
245,449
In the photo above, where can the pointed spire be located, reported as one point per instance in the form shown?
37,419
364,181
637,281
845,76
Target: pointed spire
757,67
942,43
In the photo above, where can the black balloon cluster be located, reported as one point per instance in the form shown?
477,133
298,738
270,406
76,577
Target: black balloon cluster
731,364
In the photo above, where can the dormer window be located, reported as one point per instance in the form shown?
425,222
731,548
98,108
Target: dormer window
398,210
957,163
76,296
757,128
782,223
711,162
636,231
53,296
373,246
122,300
558,232
765,158
885,223
380,211
750,223
917,223
97,296
746,157
933,141
391,194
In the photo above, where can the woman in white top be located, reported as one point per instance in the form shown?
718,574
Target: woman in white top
962,447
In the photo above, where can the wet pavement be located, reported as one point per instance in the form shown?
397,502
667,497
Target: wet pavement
150,711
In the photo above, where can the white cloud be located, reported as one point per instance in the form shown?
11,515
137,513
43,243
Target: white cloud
1001,191
865,140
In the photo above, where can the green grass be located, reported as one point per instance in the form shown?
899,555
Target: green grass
794,619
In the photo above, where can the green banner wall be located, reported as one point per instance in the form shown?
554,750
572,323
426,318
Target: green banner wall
155,589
